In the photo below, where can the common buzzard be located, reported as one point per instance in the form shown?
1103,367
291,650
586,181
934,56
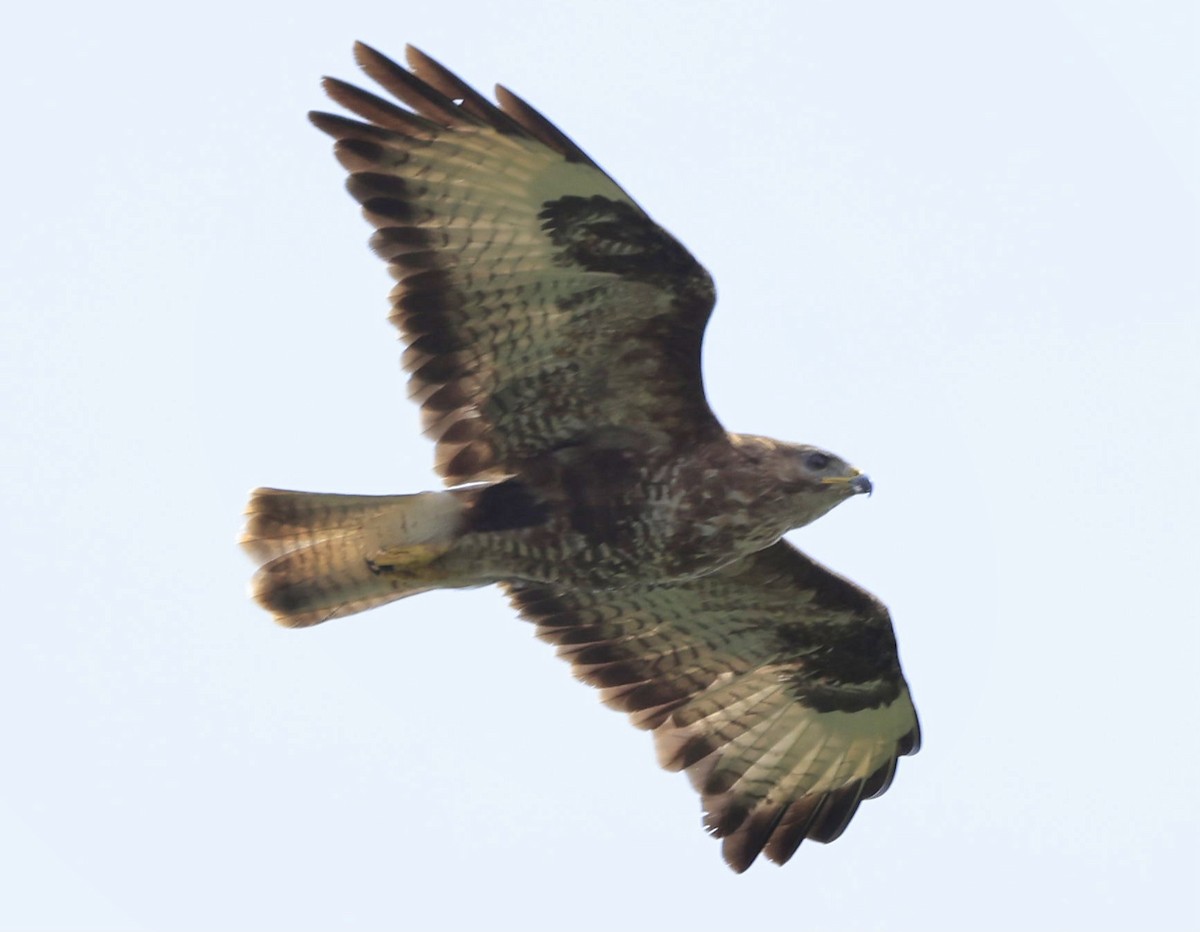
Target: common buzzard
552,335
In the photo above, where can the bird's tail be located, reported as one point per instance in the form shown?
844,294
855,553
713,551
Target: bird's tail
324,556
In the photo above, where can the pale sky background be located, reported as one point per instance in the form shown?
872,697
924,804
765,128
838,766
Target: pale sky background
956,243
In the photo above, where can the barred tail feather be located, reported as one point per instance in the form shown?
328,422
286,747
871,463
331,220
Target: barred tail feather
324,556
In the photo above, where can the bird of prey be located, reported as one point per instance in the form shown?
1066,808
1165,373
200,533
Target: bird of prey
552,336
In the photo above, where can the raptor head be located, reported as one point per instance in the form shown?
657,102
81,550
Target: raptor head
809,481
815,481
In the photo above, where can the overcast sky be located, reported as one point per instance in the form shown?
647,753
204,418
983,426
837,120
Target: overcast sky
955,243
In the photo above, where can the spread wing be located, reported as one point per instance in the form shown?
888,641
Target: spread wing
774,683
538,302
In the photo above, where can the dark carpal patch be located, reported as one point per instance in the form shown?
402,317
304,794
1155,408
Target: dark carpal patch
842,667
603,235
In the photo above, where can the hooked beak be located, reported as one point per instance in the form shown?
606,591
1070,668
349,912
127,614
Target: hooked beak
857,483
862,484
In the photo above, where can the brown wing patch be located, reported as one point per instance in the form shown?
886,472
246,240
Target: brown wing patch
537,301
774,684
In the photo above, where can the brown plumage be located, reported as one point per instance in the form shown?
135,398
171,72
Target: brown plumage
552,335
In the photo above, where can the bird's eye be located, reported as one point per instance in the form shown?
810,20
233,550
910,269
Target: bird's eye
816,461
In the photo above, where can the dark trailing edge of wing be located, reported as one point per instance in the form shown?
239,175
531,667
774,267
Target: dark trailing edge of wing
618,642
473,398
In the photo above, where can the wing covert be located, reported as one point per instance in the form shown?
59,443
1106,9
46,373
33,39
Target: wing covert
775,684
538,302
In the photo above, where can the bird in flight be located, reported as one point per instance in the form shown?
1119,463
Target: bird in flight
552,336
